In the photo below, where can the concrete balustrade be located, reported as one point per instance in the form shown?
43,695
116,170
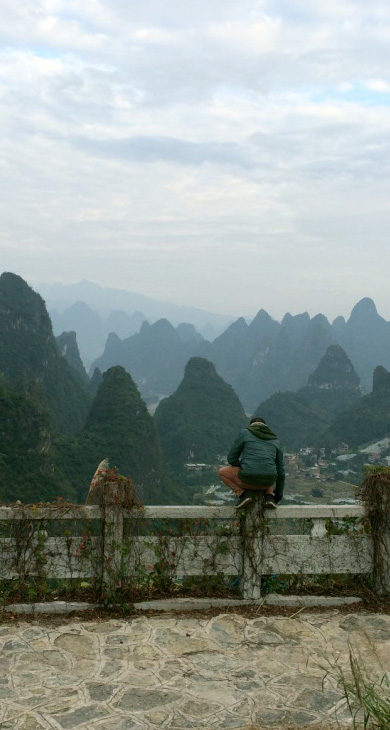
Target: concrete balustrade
112,543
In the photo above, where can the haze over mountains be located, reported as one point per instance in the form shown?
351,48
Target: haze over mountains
57,422
258,357
93,312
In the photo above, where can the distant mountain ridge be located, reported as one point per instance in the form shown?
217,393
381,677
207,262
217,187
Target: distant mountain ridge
258,358
92,330
106,299
262,357
156,356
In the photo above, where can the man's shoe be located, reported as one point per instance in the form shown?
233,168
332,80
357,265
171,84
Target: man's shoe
243,500
269,501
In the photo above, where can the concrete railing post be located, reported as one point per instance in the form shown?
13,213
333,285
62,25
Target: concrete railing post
375,494
382,560
252,537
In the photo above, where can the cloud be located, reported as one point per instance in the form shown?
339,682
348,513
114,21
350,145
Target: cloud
198,151
152,149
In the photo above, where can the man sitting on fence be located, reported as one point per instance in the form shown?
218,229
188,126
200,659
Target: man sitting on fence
256,463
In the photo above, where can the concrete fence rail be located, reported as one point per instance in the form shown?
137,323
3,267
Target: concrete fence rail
112,543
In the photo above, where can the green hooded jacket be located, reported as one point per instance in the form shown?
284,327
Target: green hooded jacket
258,453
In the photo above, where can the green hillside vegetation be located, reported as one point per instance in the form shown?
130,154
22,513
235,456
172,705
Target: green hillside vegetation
296,422
28,469
199,422
368,419
120,429
29,353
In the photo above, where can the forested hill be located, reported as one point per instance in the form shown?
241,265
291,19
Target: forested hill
199,421
120,429
330,410
302,418
366,420
52,434
30,359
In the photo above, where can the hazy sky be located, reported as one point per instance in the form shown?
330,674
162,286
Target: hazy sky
225,154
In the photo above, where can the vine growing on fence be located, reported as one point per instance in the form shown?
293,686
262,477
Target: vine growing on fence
116,554
375,495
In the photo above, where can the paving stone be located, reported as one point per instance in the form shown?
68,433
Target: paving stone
61,681
178,644
75,644
33,700
268,717
60,705
243,708
227,630
137,677
101,692
350,623
156,718
14,645
147,652
264,636
106,627
111,668
46,658
316,700
288,628
118,640
300,717
221,691
227,721
213,664
196,709
140,700
81,715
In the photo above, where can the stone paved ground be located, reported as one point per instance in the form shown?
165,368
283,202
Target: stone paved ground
163,671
